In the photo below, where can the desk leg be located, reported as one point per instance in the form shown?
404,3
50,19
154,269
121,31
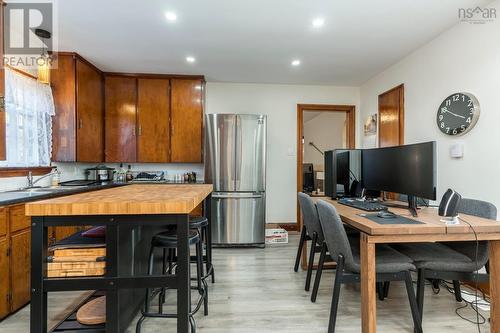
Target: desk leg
38,306
183,275
368,279
495,286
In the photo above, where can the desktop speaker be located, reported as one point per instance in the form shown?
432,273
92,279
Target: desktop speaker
448,207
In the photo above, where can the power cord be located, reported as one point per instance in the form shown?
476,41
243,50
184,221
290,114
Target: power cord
476,282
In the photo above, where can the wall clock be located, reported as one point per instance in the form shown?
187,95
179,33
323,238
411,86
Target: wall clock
458,114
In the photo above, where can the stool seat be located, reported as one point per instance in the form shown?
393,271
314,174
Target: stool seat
169,239
198,222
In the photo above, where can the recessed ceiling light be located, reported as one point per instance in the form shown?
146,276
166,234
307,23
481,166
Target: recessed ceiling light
318,22
190,59
171,16
295,62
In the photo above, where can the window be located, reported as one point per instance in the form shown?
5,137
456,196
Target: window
29,108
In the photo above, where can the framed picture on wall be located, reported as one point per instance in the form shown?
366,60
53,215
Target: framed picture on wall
371,125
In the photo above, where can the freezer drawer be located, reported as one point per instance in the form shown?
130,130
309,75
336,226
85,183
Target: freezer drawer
238,218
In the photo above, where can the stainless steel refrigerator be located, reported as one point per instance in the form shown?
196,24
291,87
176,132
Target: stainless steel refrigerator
235,163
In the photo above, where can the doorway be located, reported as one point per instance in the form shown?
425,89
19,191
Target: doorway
310,149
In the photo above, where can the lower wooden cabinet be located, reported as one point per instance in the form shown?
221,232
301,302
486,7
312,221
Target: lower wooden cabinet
20,254
4,278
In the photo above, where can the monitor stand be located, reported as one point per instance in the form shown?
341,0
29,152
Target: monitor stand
412,205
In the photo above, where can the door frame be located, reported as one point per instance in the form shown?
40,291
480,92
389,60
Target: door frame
401,89
350,111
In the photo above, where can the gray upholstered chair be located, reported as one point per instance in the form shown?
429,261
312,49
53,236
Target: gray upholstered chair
310,229
390,264
451,260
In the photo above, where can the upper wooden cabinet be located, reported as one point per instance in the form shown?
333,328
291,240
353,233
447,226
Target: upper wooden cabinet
77,131
120,119
186,127
153,115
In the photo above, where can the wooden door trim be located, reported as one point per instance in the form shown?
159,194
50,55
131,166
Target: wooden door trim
350,111
401,89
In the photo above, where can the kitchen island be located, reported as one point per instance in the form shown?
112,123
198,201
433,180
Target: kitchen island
132,215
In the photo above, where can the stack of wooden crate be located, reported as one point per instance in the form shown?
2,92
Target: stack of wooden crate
72,262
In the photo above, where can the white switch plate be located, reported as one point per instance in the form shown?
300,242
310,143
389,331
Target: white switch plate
457,150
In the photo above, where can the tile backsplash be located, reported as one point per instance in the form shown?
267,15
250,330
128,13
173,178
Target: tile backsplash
70,171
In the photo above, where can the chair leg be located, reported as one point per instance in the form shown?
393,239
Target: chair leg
380,291
311,261
339,271
387,286
420,292
317,279
199,274
458,292
417,322
303,235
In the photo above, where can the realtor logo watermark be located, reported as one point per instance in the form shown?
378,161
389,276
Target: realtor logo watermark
477,15
23,48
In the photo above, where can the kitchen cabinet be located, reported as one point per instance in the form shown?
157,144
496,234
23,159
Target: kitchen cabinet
78,127
20,268
4,265
120,119
153,116
186,139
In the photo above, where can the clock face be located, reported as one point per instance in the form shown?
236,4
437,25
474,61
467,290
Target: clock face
458,114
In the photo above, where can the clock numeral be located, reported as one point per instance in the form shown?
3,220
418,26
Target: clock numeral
455,131
470,104
442,125
462,128
463,98
468,120
447,130
448,102
441,117
456,97
444,109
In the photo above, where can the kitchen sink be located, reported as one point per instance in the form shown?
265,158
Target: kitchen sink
49,189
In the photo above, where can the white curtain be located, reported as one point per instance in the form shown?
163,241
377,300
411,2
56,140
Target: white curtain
29,107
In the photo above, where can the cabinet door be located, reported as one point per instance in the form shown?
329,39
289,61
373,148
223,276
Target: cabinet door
90,113
18,218
153,113
3,222
120,123
186,120
20,268
4,278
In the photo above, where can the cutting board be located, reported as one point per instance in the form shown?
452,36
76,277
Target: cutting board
93,312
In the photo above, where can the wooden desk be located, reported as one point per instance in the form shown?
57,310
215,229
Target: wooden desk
131,214
432,230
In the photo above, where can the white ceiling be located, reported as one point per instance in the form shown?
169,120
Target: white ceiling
254,40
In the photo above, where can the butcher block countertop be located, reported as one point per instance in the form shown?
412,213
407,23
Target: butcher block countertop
126,200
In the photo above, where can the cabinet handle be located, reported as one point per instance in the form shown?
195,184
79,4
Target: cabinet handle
2,104
140,130
80,123
172,130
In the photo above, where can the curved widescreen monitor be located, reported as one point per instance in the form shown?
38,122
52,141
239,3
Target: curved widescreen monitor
409,169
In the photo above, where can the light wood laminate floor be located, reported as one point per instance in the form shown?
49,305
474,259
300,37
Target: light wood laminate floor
257,291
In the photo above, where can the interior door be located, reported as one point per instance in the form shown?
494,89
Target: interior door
250,153
120,123
186,121
391,117
90,109
153,112
220,151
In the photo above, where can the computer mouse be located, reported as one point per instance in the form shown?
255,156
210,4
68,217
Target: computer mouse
385,214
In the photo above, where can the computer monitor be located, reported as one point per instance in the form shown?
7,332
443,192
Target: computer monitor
408,169
342,168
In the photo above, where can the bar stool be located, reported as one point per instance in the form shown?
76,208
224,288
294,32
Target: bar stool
167,241
200,223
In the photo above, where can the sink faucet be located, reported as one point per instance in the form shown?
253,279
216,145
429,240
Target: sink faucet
31,182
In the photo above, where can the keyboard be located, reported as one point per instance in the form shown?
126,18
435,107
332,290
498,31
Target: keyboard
363,205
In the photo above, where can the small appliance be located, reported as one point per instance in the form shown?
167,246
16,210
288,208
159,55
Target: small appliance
448,208
100,173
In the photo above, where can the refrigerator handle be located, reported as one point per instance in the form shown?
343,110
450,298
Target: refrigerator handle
230,196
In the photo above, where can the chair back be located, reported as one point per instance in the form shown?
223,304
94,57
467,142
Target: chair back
310,216
334,232
478,208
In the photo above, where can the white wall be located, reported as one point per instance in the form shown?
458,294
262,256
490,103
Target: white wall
464,58
279,103
327,131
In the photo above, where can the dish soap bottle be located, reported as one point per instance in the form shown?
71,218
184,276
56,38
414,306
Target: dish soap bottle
129,175
56,178
120,176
